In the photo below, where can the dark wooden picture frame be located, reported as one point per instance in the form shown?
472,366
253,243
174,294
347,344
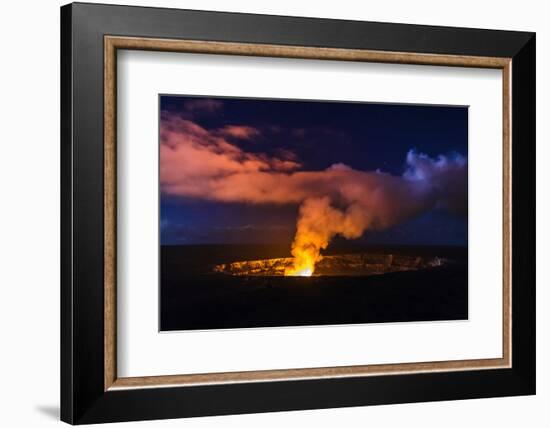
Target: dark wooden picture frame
90,389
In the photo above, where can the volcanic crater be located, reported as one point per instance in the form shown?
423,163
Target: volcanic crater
363,264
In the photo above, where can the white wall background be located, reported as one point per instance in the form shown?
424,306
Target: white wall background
29,214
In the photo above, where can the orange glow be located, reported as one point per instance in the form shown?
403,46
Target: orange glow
305,257
305,272
296,272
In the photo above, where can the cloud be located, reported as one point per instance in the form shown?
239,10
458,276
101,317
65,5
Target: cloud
195,161
200,163
298,133
203,105
242,132
447,174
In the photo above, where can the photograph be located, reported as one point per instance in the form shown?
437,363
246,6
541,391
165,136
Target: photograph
291,212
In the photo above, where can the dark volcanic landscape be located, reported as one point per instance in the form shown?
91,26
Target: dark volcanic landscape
194,296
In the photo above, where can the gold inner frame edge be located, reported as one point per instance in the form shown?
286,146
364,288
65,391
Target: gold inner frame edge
113,43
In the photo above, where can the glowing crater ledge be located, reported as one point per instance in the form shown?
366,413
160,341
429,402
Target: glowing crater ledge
364,264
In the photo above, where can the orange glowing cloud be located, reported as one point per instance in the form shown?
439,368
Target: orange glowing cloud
239,131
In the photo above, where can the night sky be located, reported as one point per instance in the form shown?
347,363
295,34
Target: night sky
315,135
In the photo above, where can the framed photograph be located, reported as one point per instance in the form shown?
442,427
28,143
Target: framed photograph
266,213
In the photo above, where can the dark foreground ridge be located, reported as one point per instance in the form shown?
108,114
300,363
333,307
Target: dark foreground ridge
195,296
